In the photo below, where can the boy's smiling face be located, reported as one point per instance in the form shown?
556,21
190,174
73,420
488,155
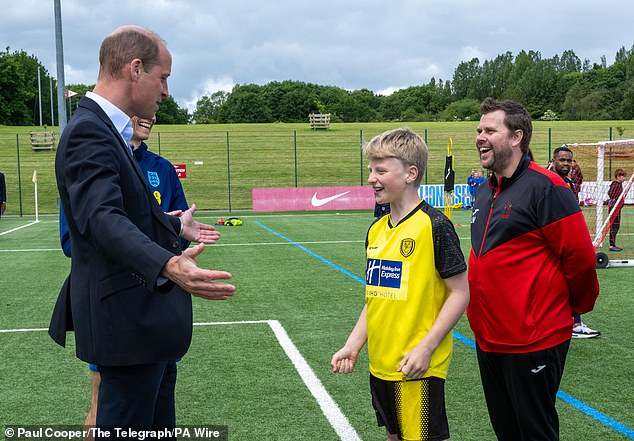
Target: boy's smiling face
389,179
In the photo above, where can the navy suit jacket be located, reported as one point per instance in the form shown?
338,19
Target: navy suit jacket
122,311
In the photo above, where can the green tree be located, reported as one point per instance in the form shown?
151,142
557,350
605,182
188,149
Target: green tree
170,113
19,89
462,110
245,104
206,111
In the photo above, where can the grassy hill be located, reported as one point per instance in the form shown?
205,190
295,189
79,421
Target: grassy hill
224,162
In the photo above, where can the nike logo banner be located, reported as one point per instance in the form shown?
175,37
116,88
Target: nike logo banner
313,198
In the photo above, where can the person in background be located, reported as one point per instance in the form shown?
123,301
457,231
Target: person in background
128,295
576,176
473,181
381,209
614,192
416,291
563,164
531,267
168,191
3,194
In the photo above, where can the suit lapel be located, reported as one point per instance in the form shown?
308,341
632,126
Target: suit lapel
156,209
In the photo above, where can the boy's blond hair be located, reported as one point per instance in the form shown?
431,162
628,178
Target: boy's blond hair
403,144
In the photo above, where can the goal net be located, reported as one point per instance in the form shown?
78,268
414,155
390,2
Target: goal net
610,219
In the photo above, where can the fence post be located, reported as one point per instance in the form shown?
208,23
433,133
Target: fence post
427,161
228,173
159,143
17,148
550,138
361,155
295,153
610,133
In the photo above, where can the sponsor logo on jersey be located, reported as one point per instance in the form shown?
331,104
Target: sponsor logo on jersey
384,273
153,178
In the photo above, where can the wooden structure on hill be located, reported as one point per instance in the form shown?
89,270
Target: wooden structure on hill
319,120
42,140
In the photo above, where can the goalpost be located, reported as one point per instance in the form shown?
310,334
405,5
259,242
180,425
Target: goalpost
597,164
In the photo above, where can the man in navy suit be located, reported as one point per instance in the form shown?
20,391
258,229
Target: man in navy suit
128,296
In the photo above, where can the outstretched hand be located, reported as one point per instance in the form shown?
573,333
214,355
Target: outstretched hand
197,231
199,282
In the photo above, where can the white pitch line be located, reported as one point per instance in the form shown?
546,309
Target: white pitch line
19,228
323,242
24,330
328,406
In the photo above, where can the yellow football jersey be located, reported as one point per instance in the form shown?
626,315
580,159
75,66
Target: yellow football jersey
405,290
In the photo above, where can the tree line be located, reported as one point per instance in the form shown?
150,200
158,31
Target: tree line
561,87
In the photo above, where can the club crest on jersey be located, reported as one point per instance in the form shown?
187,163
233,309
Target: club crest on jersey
507,210
153,178
407,247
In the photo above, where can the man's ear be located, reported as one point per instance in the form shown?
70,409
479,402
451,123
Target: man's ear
518,135
136,69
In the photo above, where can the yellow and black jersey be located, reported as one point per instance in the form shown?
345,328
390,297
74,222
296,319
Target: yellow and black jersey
405,290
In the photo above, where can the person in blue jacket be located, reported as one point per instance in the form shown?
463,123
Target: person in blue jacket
168,191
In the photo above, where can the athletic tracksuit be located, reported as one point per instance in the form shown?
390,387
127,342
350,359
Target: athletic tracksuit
531,267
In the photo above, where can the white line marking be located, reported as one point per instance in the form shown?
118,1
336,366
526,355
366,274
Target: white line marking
328,406
324,242
19,228
24,330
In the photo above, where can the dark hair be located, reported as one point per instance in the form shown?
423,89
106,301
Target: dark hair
619,172
563,148
516,118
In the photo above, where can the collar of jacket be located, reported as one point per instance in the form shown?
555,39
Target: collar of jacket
140,151
501,183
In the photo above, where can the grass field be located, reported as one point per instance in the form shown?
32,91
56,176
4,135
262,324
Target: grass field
259,363
225,162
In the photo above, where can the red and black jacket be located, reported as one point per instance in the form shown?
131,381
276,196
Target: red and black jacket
532,263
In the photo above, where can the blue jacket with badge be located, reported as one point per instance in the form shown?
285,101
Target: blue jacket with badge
164,185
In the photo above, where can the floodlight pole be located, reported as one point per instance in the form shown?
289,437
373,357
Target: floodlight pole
61,84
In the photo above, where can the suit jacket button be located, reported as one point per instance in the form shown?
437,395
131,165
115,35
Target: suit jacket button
176,244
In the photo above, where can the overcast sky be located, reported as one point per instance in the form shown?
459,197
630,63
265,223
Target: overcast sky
353,44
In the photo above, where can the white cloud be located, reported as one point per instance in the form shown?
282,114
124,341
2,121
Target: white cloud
468,53
356,44
208,87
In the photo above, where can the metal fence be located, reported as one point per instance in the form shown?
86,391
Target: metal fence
224,163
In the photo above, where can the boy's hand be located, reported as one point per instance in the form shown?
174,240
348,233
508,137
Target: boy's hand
416,362
344,360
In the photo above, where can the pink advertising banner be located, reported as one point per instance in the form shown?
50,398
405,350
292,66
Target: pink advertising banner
313,198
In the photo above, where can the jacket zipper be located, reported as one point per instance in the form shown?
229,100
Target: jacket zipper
486,228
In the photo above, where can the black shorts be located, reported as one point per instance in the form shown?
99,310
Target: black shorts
411,409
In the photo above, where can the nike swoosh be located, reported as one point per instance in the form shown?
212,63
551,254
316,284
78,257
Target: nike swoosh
316,202
539,368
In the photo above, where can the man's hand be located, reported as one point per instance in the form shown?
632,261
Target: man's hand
196,231
199,282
